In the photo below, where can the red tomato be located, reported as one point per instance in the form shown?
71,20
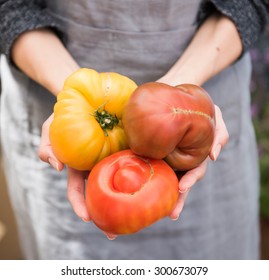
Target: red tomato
174,123
126,193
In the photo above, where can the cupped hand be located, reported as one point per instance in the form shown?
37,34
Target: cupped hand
75,194
76,179
192,176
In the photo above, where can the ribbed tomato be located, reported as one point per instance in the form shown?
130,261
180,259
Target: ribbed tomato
87,117
126,193
174,123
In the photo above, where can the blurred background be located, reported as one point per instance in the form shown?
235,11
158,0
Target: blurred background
9,246
260,114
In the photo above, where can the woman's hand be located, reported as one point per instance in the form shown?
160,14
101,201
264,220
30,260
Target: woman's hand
194,175
76,179
207,54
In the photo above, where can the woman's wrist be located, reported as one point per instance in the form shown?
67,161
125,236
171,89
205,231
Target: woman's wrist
54,83
177,77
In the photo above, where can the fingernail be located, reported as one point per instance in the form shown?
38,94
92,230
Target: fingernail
183,189
54,164
175,218
110,236
85,220
216,152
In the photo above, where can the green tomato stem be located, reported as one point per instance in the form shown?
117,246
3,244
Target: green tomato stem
106,120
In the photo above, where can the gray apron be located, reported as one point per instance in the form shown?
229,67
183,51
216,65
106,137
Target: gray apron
140,39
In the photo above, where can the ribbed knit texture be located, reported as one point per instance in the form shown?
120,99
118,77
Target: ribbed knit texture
18,16
250,17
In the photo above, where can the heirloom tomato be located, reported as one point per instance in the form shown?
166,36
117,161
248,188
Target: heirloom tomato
126,192
87,122
174,123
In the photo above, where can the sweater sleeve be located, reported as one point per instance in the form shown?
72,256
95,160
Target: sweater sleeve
249,16
18,16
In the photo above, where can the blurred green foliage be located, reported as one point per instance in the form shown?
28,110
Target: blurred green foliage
260,114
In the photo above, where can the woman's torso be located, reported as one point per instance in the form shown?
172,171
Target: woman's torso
143,39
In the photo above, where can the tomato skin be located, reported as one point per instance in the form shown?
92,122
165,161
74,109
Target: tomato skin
77,136
126,193
172,123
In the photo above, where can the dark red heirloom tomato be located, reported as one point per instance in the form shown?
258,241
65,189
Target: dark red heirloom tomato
172,123
126,193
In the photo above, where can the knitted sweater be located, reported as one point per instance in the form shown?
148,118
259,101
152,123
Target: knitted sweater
18,16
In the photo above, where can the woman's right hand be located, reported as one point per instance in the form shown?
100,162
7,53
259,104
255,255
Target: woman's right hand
76,179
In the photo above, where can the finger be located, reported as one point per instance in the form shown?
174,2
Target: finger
75,193
179,207
221,135
192,176
45,152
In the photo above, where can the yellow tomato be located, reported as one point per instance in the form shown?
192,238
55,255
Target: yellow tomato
87,117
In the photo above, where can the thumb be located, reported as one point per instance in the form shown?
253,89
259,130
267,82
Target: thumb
45,152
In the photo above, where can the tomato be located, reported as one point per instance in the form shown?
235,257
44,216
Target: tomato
87,122
172,123
126,193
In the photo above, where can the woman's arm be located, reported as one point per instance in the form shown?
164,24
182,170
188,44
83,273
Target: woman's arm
41,55
215,46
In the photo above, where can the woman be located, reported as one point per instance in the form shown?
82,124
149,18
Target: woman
45,41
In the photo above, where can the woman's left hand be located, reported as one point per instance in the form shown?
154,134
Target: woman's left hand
194,175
